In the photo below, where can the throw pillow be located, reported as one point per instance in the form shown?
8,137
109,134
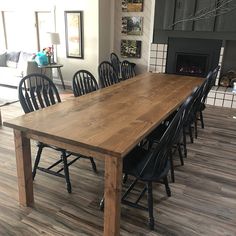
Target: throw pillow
12,59
24,58
3,59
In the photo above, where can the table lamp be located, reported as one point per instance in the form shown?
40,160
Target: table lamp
55,40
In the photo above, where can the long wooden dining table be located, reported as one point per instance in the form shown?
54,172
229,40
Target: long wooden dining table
106,124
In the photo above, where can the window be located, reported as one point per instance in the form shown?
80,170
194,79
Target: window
18,31
9,19
26,31
2,33
44,24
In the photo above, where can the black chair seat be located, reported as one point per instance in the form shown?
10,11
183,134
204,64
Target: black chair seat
134,162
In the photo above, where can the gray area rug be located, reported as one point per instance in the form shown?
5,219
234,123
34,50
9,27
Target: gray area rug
8,95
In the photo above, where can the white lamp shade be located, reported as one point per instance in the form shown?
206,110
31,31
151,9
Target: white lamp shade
54,38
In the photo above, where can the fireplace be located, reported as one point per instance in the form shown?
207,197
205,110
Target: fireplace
193,64
195,57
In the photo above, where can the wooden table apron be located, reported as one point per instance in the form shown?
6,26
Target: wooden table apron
105,124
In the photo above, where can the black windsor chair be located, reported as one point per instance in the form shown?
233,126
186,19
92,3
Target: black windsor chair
83,82
107,74
209,85
37,91
115,61
152,165
156,135
127,70
193,117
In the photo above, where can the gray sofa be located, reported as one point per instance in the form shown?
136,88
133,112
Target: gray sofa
15,65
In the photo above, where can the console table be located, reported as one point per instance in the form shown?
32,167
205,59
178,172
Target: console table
54,66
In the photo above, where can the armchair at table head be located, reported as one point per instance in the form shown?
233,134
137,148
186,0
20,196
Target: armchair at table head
83,82
115,61
107,74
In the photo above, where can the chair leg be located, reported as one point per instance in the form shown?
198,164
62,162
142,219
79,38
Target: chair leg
150,205
101,204
195,128
172,167
201,119
190,133
93,164
66,171
168,192
184,142
37,159
180,154
125,178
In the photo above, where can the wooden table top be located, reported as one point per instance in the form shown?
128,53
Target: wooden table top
114,119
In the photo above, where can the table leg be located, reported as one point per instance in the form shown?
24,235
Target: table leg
24,169
60,75
113,178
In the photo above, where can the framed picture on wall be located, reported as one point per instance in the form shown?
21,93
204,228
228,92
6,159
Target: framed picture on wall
132,25
132,5
130,48
74,34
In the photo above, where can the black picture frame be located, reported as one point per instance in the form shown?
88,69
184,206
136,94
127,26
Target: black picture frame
74,34
130,48
132,25
132,5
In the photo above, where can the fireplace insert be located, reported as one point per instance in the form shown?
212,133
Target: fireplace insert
191,64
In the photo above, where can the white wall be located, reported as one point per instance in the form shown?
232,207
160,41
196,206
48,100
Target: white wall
146,38
90,35
105,26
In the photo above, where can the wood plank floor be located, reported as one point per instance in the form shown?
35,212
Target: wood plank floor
203,200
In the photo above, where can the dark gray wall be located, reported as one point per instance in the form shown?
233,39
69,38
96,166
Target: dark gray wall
169,11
